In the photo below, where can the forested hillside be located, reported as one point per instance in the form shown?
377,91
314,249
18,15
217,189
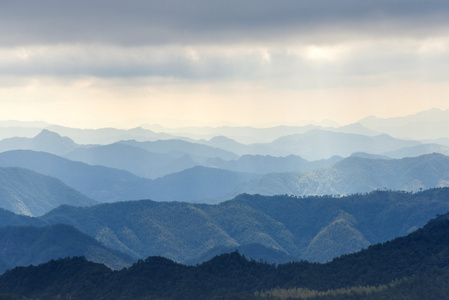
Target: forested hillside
413,266
356,174
218,150
28,245
312,228
29,193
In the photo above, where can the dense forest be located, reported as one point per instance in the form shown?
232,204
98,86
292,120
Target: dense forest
316,228
407,267
275,229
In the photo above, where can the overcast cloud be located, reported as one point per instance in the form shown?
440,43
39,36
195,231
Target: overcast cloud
139,22
277,47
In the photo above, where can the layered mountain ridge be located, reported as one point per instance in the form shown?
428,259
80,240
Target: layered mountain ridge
190,178
413,266
299,228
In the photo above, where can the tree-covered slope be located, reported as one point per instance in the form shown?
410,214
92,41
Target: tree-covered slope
8,218
26,245
143,228
356,174
29,193
313,228
416,265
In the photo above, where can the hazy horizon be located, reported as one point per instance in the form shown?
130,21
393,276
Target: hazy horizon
323,123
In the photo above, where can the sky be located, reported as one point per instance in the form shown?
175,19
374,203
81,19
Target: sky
101,63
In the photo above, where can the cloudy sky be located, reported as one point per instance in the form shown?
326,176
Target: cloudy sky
96,63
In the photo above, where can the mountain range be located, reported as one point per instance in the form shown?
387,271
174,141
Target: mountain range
105,184
320,144
97,182
316,144
46,141
356,174
263,164
411,267
312,228
429,124
90,180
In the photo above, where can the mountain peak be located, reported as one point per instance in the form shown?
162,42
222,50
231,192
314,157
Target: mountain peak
45,133
49,141
220,138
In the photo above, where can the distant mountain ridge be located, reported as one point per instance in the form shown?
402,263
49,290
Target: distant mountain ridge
320,144
429,124
197,184
316,144
46,141
418,151
356,174
106,136
263,164
97,182
144,159
29,193
178,148
135,160
110,185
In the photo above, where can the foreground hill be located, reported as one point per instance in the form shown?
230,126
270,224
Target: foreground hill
29,193
312,228
357,174
25,245
411,267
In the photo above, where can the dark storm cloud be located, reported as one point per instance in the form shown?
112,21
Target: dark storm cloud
139,22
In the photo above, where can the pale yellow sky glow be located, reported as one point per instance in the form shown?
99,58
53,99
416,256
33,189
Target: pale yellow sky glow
255,72
180,105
